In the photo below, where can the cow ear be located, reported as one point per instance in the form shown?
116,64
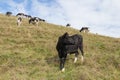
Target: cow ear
66,34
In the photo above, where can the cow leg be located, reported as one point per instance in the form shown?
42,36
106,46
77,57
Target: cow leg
82,56
76,57
18,23
63,69
62,63
37,23
82,52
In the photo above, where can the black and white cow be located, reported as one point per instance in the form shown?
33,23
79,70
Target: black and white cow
28,16
8,13
68,25
34,21
84,29
20,15
41,20
69,45
19,21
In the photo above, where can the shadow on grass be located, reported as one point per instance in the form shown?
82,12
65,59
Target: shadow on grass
53,61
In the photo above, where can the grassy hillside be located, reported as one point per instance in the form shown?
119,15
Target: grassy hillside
28,53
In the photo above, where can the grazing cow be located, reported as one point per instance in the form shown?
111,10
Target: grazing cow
34,21
68,45
41,20
19,21
84,29
27,16
20,14
8,13
68,25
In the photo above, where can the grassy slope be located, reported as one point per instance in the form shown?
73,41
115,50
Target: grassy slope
28,53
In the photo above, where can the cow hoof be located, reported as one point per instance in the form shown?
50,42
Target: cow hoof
63,70
75,60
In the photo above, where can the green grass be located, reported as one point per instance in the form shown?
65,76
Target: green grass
28,53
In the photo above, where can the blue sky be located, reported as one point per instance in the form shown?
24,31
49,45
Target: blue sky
101,16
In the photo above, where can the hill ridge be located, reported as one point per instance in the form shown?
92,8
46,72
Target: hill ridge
28,53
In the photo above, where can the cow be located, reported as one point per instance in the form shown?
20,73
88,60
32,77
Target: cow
28,16
84,29
41,20
8,13
20,14
69,45
34,21
68,25
19,21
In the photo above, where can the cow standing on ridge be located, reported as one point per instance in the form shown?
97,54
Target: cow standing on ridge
8,13
68,25
84,29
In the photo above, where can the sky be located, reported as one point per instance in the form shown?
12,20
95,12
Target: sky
101,16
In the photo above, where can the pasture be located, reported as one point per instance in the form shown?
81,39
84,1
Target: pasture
29,52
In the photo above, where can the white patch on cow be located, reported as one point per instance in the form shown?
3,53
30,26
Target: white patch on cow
63,69
68,54
82,58
75,59
18,22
